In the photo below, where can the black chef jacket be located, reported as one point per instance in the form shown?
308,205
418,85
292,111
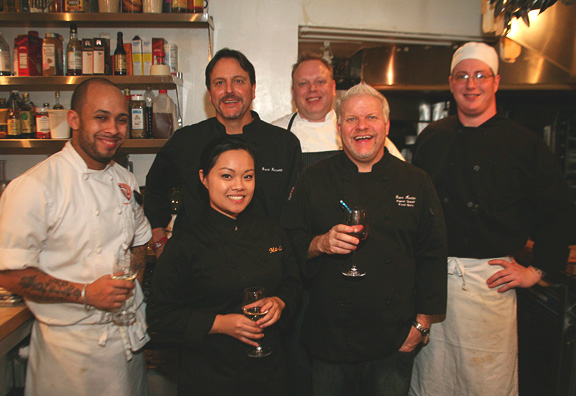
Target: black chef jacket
499,185
202,273
177,163
404,257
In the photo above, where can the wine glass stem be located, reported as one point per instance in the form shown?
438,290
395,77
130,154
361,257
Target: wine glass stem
354,260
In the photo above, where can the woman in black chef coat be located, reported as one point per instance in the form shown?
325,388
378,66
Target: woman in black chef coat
198,283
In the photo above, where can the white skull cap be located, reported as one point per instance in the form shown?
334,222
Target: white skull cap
480,51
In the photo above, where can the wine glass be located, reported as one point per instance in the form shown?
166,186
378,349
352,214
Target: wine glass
251,295
356,216
123,270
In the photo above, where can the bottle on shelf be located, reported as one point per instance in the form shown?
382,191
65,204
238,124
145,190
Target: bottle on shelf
3,117
5,65
12,6
164,116
179,6
99,57
74,53
52,57
43,122
127,95
14,122
27,117
87,57
57,104
120,66
137,116
148,100
56,6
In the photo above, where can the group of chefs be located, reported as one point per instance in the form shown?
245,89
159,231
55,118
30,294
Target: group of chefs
434,314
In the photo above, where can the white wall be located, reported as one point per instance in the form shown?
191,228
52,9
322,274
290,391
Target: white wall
266,31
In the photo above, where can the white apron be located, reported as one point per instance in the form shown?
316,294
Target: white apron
474,352
89,359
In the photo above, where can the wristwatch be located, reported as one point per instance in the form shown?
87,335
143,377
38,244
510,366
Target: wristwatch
423,330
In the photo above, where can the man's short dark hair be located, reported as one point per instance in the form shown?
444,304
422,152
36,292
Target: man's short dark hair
79,95
309,56
230,53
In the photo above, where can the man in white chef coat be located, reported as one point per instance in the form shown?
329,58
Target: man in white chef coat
314,123
64,224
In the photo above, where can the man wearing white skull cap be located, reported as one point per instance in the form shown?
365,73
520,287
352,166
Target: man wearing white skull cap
500,188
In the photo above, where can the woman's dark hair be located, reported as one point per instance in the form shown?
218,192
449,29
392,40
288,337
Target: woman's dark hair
230,53
220,145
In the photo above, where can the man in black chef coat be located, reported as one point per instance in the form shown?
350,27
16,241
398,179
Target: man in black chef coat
362,332
231,83
499,185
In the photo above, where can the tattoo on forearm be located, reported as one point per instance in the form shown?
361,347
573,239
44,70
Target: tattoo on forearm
48,289
139,260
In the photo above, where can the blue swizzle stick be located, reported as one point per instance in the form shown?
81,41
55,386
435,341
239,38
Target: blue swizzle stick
345,206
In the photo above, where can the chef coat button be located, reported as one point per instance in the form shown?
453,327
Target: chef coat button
386,262
119,211
446,200
451,163
85,176
387,217
96,212
470,204
476,168
98,250
125,246
388,302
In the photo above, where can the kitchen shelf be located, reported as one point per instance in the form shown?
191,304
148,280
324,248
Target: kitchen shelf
63,19
68,83
51,146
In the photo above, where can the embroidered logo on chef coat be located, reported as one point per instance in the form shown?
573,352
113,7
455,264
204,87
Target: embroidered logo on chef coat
275,249
405,200
126,191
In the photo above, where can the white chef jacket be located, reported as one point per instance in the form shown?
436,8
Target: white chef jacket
74,223
321,136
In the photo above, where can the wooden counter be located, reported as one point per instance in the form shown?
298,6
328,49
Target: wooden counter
11,318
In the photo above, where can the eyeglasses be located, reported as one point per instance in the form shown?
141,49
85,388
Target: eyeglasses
478,77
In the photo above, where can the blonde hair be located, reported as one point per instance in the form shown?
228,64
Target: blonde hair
361,89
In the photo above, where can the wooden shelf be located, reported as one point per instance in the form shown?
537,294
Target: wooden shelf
63,19
51,146
68,83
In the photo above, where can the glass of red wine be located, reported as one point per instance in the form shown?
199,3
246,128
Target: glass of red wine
253,294
356,216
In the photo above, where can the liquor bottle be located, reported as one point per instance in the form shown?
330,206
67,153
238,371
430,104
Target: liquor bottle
43,122
120,66
27,117
14,123
74,53
137,116
5,65
57,104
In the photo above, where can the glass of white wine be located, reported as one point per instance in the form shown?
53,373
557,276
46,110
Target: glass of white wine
123,270
253,294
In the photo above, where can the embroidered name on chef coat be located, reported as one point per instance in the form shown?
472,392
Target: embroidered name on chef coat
272,169
275,249
406,201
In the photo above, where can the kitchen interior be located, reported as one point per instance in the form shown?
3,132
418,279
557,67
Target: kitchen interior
404,50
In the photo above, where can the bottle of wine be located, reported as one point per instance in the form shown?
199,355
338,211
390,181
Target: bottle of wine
120,66
74,53
43,122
